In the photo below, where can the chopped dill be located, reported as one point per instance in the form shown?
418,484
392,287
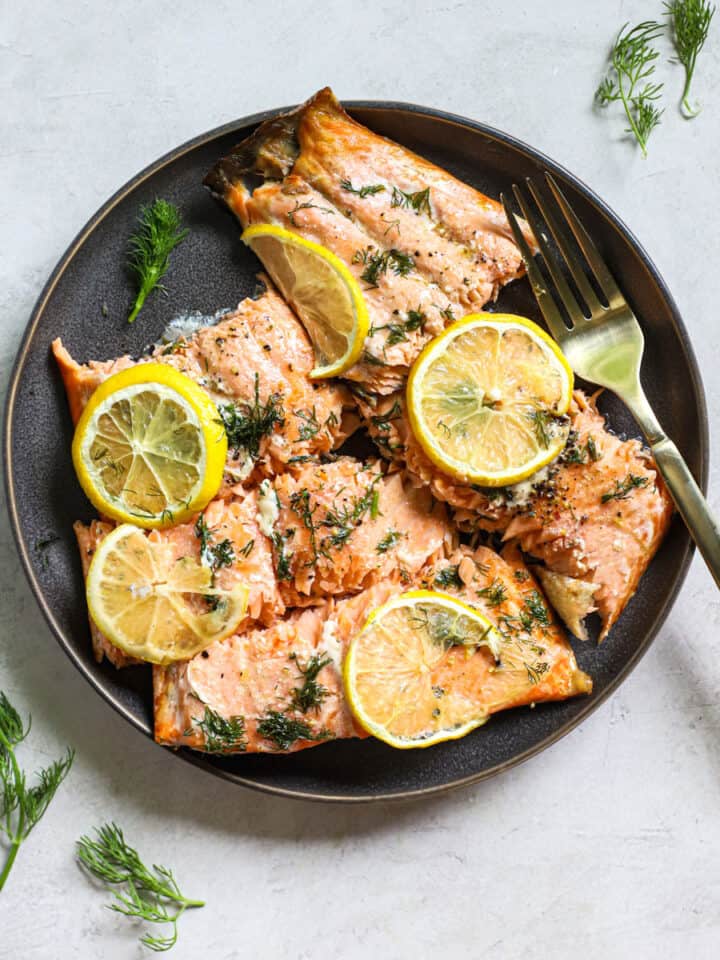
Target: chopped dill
310,423
283,560
247,423
213,555
536,671
300,504
592,450
222,734
379,263
448,576
623,488
247,549
311,694
522,576
418,201
397,332
447,314
343,519
367,191
308,205
390,540
541,420
495,593
382,421
537,609
283,730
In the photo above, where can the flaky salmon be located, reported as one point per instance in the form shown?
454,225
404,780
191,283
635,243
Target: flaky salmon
426,247
322,530
280,690
341,526
596,515
254,363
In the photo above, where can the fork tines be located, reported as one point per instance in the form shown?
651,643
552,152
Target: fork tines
576,312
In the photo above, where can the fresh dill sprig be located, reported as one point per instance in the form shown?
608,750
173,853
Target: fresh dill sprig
159,231
632,64
146,893
382,421
690,22
21,805
623,488
418,201
311,694
222,734
368,191
246,423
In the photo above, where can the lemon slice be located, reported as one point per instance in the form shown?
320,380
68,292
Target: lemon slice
154,606
404,673
149,448
486,399
321,290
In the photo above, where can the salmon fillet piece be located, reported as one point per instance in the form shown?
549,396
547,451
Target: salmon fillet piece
252,679
339,527
425,247
260,347
234,522
559,515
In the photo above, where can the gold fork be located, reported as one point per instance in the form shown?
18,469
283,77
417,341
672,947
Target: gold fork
605,347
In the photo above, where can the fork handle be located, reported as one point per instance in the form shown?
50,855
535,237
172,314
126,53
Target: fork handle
691,504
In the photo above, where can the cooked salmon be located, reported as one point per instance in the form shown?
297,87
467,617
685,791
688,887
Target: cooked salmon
255,360
249,694
597,515
234,525
322,530
425,247
342,526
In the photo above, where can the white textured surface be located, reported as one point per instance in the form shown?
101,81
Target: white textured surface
606,846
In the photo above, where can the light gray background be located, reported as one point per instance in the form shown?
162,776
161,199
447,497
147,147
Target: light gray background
606,846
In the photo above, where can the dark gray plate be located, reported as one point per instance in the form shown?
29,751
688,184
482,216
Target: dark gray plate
212,270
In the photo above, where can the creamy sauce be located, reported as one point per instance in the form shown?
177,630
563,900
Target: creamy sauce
332,644
268,508
523,492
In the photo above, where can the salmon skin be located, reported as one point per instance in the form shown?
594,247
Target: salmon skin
256,681
597,514
256,358
327,529
425,247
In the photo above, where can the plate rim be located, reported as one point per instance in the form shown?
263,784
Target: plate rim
36,314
